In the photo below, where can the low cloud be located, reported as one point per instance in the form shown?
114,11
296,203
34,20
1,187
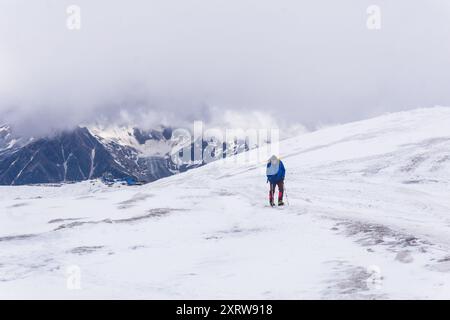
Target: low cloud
284,62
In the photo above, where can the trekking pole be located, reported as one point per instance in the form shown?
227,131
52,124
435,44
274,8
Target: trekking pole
285,191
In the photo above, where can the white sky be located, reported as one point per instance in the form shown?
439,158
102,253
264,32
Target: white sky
309,62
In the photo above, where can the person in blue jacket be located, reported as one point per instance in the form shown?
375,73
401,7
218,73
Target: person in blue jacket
275,175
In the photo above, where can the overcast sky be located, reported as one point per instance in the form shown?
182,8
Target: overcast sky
293,61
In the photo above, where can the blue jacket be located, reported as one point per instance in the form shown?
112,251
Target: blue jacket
275,178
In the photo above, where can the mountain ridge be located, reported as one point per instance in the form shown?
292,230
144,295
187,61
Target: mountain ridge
90,152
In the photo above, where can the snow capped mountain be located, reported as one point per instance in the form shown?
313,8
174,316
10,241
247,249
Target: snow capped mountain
146,143
80,154
145,154
5,137
115,152
70,156
368,218
8,141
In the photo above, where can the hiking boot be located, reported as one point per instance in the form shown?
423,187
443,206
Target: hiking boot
280,203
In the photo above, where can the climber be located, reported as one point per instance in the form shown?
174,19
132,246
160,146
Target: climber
275,176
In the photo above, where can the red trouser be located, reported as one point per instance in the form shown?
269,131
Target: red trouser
280,185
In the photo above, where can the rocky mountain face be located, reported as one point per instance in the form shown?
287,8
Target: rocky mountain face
93,152
70,156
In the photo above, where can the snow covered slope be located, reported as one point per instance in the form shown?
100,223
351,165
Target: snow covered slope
368,218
